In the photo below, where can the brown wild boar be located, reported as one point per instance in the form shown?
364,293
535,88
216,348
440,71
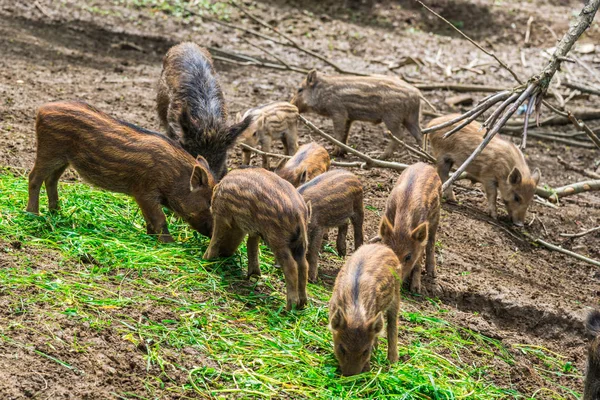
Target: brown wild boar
277,120
191,106
376,99
309,161
500,167
335,198
123,158
591,390
366,289
411,219
258,203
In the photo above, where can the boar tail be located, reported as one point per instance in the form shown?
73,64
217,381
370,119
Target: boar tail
593,323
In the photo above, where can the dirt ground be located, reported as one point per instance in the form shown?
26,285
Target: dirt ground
493,281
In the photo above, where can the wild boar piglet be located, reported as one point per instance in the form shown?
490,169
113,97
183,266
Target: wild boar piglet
411,219
278,120
309,161
501,167
335,198
191,106
366,291
120,157
375,98
258,203
591,390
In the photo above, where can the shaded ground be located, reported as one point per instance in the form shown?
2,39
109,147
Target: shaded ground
493,282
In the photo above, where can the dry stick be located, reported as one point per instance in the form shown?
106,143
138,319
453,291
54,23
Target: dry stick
473,42
582,88
582,171
574,143
490,136
528,32
586,129
580,234
420,153
293,43
587,68
463,124
575,188
456,87
526,123
267,52
260,64
567,252
42,9
355,164
494,116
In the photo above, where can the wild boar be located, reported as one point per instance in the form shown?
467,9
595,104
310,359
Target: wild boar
277,120
335,198
411,219
366,289
591,390
191,106
309,161
500,167
376,99
258,203
120,157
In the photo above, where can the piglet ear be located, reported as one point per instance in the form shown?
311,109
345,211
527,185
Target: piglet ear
309,207
420,233
311,78
515,177
337,320
281,164
303,177
376,324
386,228
536,176
201,175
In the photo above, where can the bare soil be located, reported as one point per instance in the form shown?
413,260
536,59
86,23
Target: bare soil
492,280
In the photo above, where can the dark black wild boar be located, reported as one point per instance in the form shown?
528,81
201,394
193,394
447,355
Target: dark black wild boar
591,390
123,158
366,290
191,106
258,203
376,99
335,198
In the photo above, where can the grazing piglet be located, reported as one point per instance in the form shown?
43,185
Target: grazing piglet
346,99
123,158
335,197
500,166
411,219
309,161
591,390
257,202
277,120
366,288
191,106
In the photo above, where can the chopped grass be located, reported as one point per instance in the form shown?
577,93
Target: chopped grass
164,300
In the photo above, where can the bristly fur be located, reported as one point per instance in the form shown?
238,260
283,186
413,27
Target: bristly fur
591,389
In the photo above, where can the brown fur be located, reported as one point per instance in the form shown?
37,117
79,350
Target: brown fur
191,106
592,379
335,197
309,161
123,158
366,289
376,99
500,167
277,120
411,219
258,203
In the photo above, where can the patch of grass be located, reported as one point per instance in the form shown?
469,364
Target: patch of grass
164,300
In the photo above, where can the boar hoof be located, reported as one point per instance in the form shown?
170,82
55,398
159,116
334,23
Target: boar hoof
253,275
337,152
166,239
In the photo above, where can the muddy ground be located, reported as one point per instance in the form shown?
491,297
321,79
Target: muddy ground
492,280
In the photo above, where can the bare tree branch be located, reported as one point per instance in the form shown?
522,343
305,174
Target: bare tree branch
580,234
586,129
575,188
582,88
567,252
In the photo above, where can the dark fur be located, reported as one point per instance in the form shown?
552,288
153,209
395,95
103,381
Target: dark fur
335,198
592,377
120,157
258,203
191,106
366,289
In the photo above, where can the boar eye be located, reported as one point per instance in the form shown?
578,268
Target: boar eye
342,350
408,257
517,198
365,353
300,90
254,134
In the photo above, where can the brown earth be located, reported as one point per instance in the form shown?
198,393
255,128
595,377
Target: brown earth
492,280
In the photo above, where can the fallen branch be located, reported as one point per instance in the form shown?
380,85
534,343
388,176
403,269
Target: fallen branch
580,234
582,171
575,188
582,88
548,137
567,252
355,164
586,129
456,87
419,153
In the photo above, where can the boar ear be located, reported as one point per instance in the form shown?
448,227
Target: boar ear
238,117
281,164
376,239
376,324
311,78
338,320
199,174
303,177
235,130
386,228
536,176
515,177
309,207
420,233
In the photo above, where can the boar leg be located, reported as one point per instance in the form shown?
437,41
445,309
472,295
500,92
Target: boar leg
315,239
340,243
156,222
290,271
392,145
252,247
491,191
302,267
224,241
415,278
266,147
412,124
290,139
341,128
430,249
51,184
392,331
246,154
35,184
444,164
357,224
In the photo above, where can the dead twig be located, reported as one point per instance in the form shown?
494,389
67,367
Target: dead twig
574,188
580,234
582,88
455,87
582,126
567,252
547,137
528,31
582,171
418,152
42,9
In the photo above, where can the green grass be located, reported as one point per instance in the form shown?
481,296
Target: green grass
246,345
